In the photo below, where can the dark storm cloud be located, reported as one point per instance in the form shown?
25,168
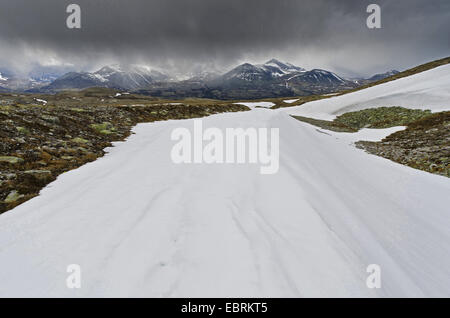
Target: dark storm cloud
183,33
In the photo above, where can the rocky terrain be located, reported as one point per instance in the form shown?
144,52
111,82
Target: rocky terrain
39,141
424,144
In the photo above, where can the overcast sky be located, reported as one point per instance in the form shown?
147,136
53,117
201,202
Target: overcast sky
183,34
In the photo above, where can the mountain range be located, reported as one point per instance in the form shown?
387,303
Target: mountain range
271,79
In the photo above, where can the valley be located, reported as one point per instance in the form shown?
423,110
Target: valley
87,179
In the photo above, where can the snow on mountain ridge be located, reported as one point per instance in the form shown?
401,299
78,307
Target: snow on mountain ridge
129,77
271,69
425,90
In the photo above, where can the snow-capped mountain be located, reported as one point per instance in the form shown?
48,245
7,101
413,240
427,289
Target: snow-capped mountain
200,72
270,70
12,82
248,72
316,81
271,79
129,78
38,77
318,77
374,78
49,73
249,81
278,67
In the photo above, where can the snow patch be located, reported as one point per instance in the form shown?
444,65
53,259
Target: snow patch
98,77
41,101
366,134
256,104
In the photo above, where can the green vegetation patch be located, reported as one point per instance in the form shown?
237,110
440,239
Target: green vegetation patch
13,196
11,159
22,130
104,128
382,117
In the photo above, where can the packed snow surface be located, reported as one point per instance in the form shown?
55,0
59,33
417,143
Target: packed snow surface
139,225
367,134
426,90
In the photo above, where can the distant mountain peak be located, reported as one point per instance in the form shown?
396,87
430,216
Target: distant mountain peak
275,61
109,69
381,76
129,77
322,76
284,67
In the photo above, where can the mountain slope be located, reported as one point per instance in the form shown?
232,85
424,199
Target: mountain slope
38,77
381,76
316,82
425,90
268,71
284,67
248,72
274,79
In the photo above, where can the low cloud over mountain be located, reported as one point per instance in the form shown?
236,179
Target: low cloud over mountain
179,35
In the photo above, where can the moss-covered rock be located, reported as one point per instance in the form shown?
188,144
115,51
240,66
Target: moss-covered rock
11,159
50,119
105,128
382,117
22,130
13,196
40,174
79,140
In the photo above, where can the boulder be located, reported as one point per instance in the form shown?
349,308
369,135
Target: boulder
13,196
11,159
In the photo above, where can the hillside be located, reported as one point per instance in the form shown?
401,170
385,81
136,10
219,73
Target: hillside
424,90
